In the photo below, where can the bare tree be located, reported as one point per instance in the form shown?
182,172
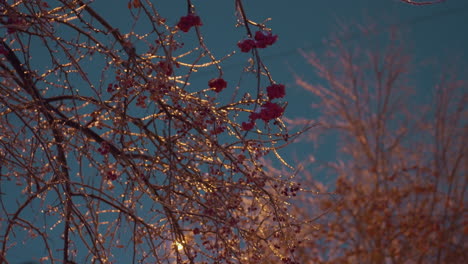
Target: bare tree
132,161
398,192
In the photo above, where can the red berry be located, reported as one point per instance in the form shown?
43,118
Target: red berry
219,84
276,91
189,21
246,45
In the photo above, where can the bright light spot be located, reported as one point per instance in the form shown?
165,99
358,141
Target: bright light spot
179,246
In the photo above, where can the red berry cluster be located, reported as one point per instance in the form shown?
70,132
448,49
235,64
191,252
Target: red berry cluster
217,130
248,125
165,67
111,175
123,83
246,45
189,21
268,111
218,83
141,101
112,87
276,91
104,149
262,40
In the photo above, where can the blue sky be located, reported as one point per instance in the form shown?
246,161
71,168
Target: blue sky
437,31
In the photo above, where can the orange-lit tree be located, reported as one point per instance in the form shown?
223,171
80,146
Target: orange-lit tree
109,153
398,189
